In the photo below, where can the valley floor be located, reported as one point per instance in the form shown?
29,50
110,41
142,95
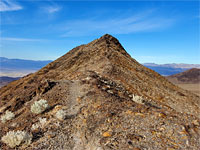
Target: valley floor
195,88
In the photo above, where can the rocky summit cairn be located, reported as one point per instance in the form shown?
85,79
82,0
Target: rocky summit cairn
98,98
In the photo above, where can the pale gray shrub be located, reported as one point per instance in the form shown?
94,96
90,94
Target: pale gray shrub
61,114
137,99
39,106
16,138
7,116
35,126
42,122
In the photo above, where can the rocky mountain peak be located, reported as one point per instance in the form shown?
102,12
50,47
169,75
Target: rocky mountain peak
97,97
109,39
108,43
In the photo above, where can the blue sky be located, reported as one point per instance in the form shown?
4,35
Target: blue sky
151,31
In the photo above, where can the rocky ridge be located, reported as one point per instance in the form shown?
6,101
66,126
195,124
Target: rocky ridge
111,102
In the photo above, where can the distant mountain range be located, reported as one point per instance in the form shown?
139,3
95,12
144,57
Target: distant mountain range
21,67
5,80
173,65
22,64
170,69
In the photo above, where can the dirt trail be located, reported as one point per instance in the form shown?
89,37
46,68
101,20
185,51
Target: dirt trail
75,91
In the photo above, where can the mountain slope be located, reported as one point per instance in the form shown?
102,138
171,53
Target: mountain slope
98,84
189,80
5,80
189,76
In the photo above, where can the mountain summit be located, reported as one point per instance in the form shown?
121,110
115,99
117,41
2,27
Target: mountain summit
99,98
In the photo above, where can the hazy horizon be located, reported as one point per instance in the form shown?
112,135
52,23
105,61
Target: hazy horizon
60,56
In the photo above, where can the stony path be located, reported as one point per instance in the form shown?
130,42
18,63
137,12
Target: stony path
75,92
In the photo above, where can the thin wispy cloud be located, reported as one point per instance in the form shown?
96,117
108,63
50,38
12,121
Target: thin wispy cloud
52,9
141,22
8,5
20,39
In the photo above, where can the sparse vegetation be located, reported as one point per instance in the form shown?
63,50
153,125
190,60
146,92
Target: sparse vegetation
7,116
40,124
16,138
35,126
39,106
61,114
137,99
